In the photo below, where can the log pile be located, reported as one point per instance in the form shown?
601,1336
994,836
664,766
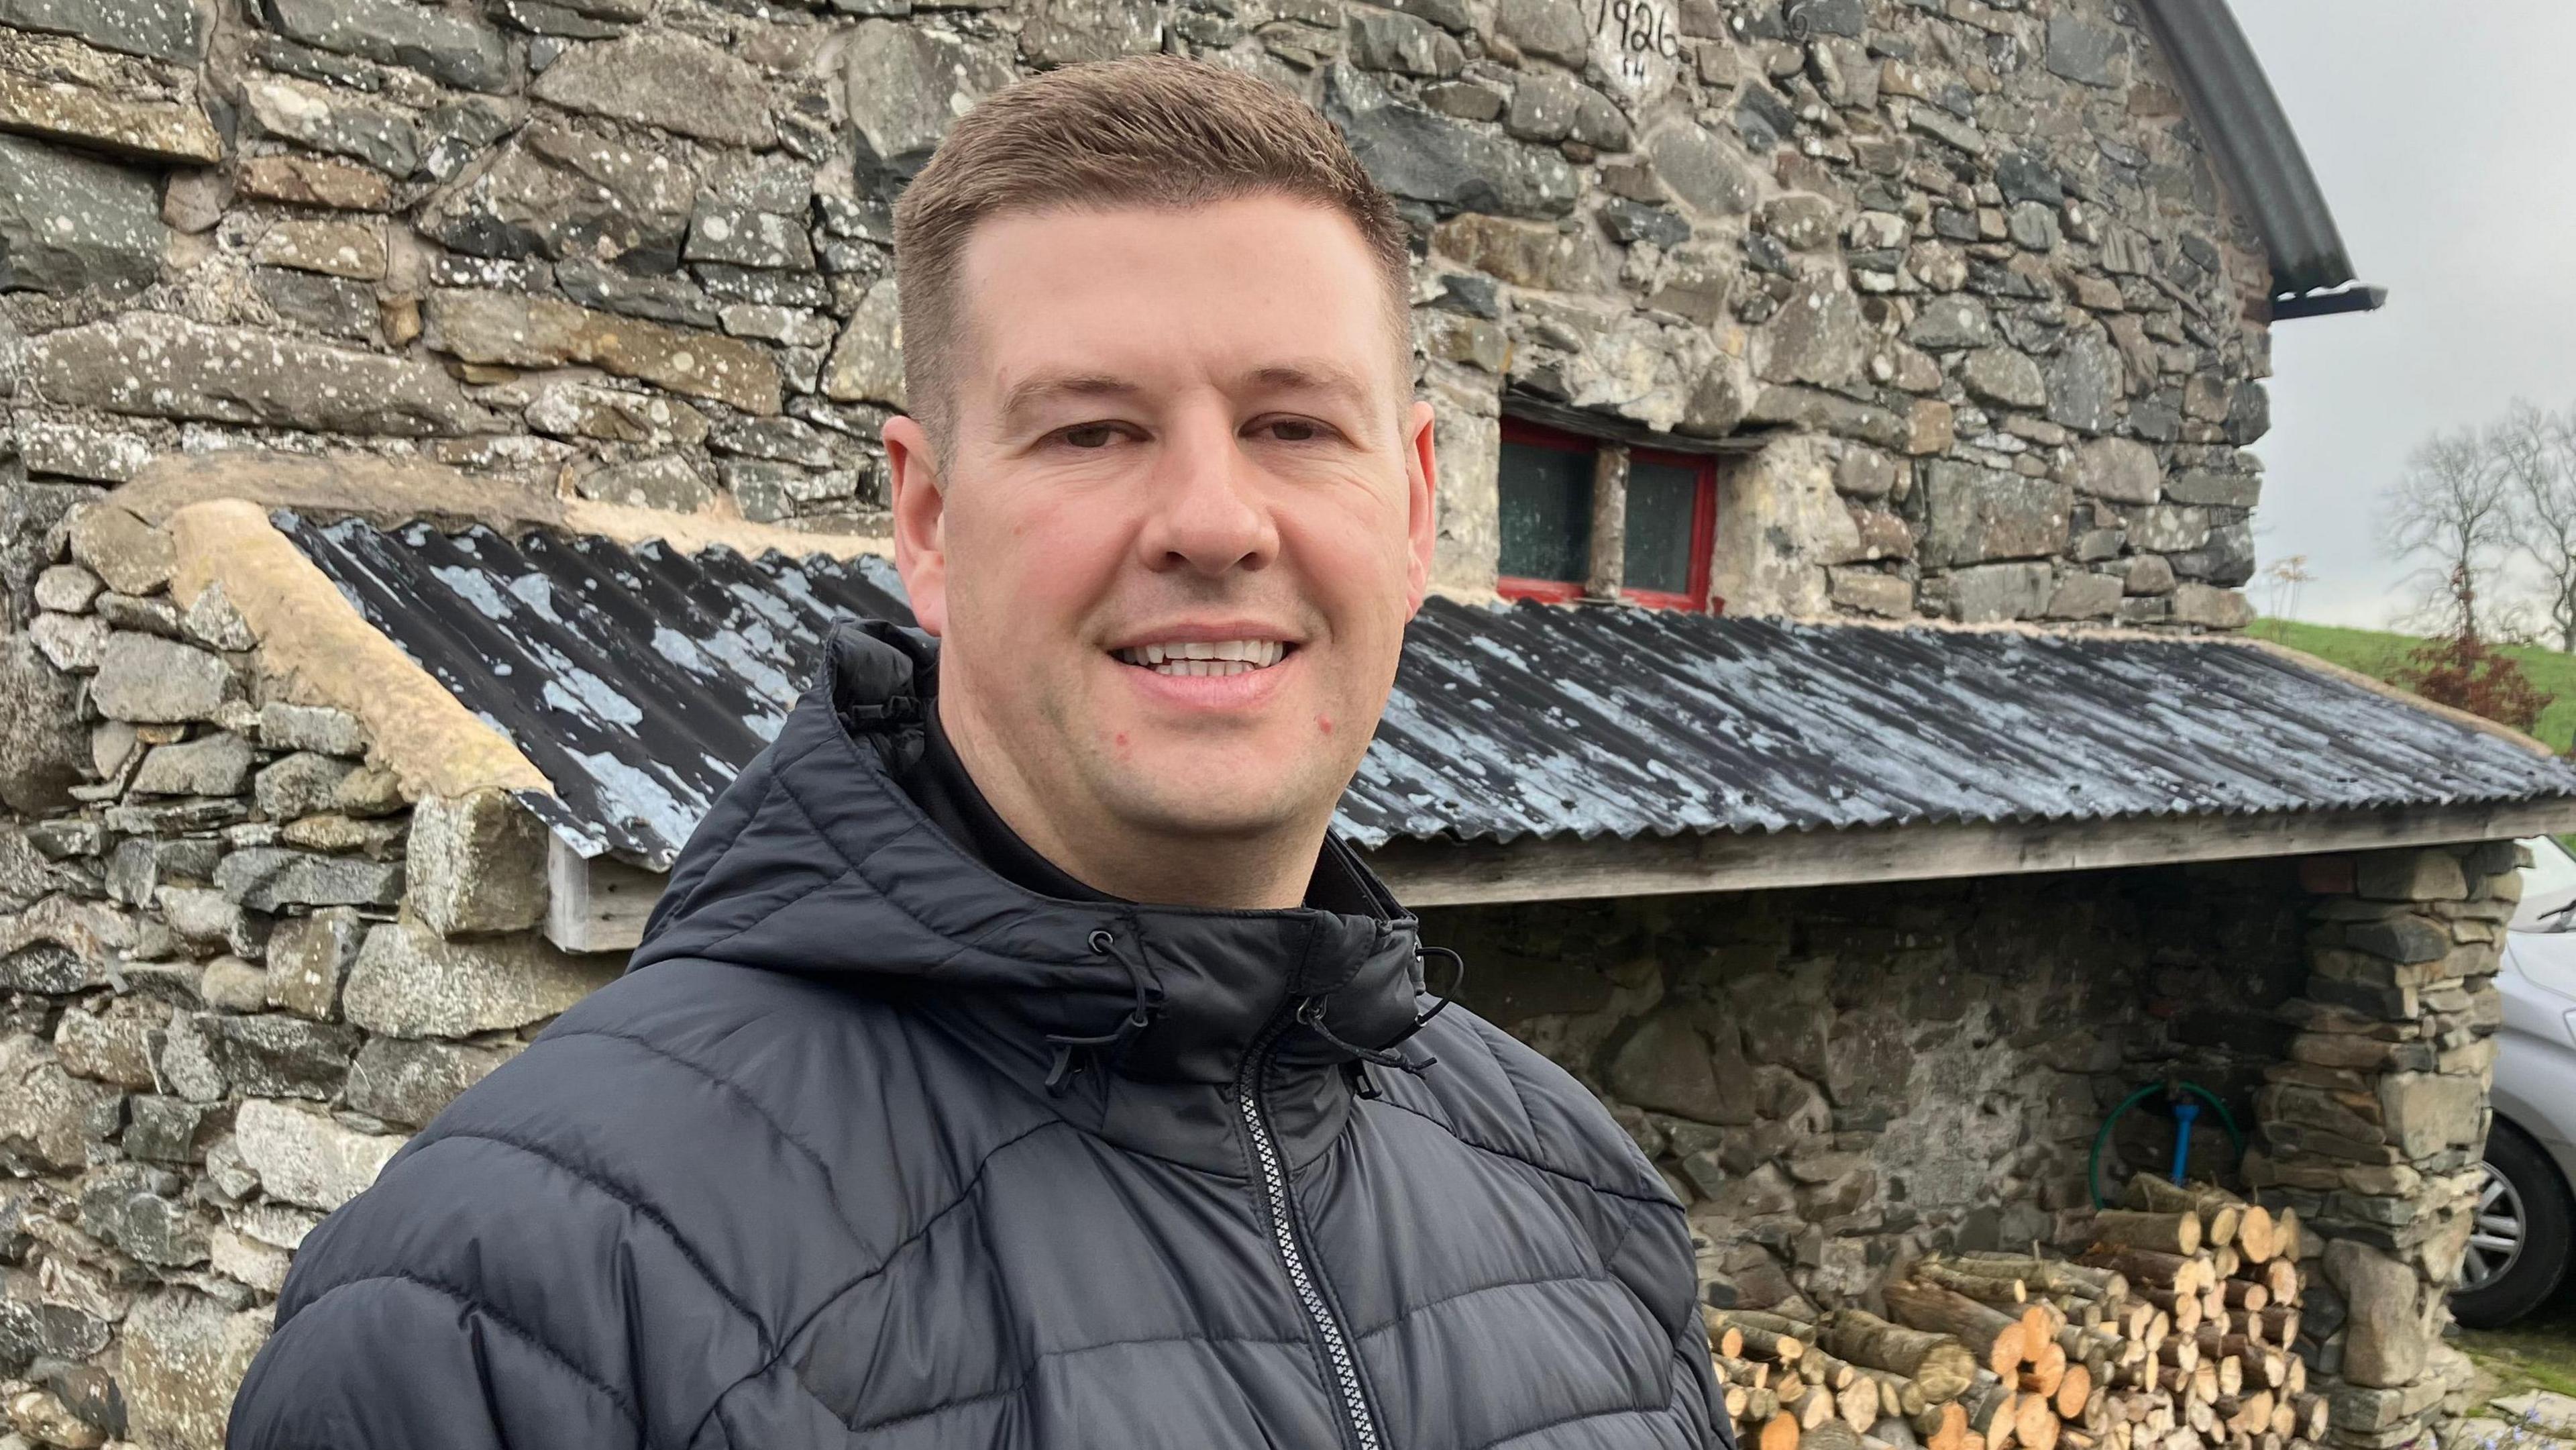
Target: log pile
2173,1332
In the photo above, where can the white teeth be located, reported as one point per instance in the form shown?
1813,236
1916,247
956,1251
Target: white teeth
1216,658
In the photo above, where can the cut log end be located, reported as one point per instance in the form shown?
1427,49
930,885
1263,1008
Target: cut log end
2035,1423
2257,1235
2074,1392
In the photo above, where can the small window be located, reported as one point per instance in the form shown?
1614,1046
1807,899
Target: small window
1547,509
1548,481
1667,540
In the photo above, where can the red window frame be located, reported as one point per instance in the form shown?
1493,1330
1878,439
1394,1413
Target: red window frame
1703,525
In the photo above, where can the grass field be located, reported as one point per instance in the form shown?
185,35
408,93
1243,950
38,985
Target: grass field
2380,655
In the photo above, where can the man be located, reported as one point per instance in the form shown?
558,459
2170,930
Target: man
913,1124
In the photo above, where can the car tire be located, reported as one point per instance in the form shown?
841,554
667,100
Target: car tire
2548,1222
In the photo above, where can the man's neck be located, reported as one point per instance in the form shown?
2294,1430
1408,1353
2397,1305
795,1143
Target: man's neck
1090,844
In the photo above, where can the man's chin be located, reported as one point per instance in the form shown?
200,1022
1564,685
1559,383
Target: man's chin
1215,809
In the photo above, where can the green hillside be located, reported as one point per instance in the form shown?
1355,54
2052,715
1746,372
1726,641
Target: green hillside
2380,654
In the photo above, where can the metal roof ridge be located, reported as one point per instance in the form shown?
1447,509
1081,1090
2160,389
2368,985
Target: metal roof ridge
2258,157
2025,628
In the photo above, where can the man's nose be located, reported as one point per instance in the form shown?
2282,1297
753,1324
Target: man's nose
1207,512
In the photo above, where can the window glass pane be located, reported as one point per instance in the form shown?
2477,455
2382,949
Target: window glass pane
1547,513
1661,497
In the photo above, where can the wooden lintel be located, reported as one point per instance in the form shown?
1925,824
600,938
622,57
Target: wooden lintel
599,904
1590,423
1424,873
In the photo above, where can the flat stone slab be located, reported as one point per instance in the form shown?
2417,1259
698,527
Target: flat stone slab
2485,1433
65,91
148,364
70,222
2542,1409
164,29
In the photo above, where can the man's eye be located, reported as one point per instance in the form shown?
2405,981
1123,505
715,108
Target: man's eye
1089,435
1293,430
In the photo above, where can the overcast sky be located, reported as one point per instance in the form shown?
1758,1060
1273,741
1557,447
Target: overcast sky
2440,133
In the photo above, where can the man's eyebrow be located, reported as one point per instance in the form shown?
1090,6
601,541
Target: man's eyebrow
1045,387
1330,379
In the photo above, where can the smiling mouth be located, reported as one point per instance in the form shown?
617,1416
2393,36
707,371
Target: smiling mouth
1211,658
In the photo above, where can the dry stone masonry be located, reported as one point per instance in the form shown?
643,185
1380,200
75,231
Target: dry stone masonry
1838,1081
240,960
1964,266
1841,1081
239,965
1957,274
2374,1124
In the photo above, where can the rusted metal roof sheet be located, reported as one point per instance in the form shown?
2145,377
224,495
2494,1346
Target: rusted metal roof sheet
640,681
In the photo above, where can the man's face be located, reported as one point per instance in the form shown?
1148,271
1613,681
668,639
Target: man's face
1185,517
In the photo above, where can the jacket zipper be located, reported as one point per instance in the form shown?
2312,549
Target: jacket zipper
1339,1357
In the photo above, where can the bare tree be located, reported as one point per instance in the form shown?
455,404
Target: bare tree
2450,513
2283,580
2536,450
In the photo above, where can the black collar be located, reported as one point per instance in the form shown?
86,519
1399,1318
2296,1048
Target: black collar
817,862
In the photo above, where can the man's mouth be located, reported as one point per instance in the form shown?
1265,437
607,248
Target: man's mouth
1215,657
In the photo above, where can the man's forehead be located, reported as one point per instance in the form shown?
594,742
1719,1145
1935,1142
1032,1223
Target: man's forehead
1259,295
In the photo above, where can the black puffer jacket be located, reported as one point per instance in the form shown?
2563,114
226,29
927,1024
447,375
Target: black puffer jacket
798,1179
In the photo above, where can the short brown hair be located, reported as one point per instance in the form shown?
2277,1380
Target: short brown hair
1153,130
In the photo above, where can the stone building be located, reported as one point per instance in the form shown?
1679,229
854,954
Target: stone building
381,375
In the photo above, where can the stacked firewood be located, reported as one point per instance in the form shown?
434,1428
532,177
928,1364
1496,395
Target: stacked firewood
2173,1332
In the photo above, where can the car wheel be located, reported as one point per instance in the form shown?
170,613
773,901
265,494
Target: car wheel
2519,1245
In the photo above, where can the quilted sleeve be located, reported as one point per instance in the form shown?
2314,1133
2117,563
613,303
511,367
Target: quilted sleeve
566,1259
403,1363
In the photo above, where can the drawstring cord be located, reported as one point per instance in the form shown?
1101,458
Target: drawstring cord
1107,1046
1075,1050
1355,1072
1457,981
1310,1013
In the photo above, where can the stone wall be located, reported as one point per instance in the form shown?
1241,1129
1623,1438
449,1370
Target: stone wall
1968,257
237,966
1840,1080
1843,1079
2374,1124
240,959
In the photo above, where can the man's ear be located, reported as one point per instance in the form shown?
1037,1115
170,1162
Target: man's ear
920,520
1422,501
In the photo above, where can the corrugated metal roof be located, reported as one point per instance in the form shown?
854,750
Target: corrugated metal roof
641,681
2257,152
1548,721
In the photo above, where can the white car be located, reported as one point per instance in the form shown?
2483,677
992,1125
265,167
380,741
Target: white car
2526,1227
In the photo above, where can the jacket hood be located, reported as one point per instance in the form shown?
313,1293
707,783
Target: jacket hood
815,862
